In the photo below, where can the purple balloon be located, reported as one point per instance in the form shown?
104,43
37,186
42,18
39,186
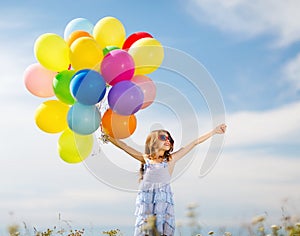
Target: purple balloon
125,98
117,66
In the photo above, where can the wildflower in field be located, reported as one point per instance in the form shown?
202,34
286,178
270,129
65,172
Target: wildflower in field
192,205
227,234
258,219
113,232
289,228
261,229
13,230
76,232
275,228
150,223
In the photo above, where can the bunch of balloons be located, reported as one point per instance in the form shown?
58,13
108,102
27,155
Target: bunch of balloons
91,62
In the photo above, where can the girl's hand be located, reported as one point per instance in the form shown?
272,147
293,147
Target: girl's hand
221,129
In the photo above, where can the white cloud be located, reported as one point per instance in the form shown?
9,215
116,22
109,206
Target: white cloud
239,179
251,18
276,126
242,184
291,72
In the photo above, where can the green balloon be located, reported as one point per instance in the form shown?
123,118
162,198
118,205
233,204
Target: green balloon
108,49
61,86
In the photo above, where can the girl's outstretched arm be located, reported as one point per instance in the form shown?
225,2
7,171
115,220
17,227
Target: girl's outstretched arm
221,129
131,151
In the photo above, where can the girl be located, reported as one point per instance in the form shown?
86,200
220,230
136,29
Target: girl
154,201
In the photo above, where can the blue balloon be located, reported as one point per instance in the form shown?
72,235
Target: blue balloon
88,87
78,24
83,119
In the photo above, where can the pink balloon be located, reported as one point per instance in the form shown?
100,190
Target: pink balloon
117,66
148,87
38,80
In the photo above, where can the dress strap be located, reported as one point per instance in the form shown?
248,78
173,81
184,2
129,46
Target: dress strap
147,163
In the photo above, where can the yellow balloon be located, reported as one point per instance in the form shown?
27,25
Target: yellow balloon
51,116
52,52
109,31
86,54
147,54
74,148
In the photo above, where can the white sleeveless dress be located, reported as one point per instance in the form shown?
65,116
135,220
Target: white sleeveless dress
155,198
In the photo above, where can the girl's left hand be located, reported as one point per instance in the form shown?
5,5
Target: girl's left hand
221,129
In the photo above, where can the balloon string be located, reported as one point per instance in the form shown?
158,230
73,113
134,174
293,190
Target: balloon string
102,107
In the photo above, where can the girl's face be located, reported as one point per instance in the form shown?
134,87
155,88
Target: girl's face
164,141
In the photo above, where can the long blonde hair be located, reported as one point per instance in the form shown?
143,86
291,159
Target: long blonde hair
152,148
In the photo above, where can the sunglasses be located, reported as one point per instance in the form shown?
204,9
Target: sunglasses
163,137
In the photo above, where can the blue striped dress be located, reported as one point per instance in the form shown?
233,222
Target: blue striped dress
155,198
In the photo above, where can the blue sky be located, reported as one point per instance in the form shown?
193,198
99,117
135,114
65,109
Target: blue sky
251,51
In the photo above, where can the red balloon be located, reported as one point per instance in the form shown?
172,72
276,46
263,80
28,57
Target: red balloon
133,38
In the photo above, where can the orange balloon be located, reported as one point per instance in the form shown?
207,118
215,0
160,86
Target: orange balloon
118,126
77,34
